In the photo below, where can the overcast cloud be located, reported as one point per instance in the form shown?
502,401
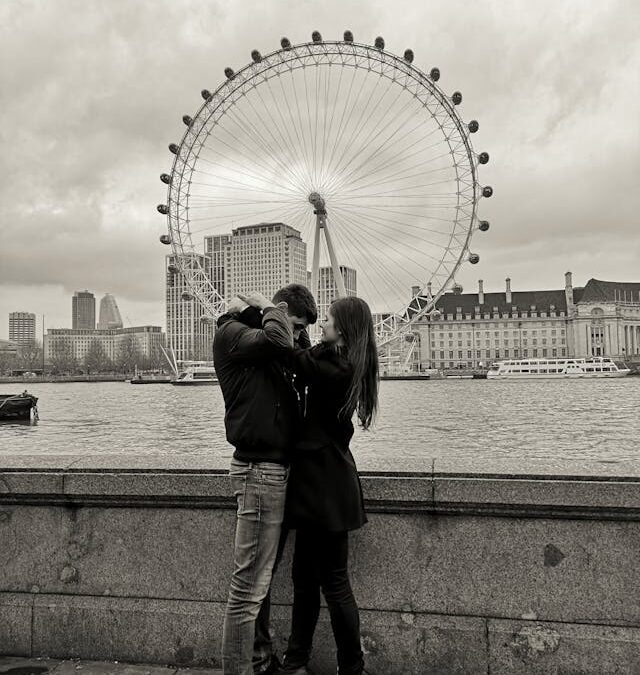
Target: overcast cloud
93,91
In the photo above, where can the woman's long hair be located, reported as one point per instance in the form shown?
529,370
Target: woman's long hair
352,318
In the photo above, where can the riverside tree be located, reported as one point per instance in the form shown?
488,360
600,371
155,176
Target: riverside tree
96,359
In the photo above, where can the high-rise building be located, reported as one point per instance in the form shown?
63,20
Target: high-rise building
83,311
22,328
327,290
216,249
264,258
261,257
109,313
189,328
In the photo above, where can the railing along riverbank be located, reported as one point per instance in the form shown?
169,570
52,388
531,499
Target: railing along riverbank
467,567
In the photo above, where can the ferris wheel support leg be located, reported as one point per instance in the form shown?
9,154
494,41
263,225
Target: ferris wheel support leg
337,275
315,268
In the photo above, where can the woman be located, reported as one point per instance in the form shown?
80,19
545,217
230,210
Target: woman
336,378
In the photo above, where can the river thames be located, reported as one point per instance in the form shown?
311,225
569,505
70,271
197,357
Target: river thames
455,419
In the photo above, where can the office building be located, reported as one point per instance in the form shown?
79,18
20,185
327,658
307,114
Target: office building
83,311
109,313
22,328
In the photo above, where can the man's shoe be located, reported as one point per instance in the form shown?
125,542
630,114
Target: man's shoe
273,668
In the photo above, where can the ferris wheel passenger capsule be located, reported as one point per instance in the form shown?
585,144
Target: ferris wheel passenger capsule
487,191
348,36
456,98
256,56
165,239
435,74
186,296
435,314
483,157
187,120
174,148
206,94
474,258
316,37
285,43
172,269
379,43
229,73
473,126
408,55
163,208
483,226
165,178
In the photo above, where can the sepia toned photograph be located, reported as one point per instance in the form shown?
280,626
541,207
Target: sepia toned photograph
320,337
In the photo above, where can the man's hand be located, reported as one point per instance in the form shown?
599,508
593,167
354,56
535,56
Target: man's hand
236,305
255,299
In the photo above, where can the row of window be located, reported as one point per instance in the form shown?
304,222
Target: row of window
503,353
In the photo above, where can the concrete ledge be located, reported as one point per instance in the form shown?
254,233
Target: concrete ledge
470,567
501,487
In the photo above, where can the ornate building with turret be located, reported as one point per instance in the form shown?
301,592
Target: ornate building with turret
471,330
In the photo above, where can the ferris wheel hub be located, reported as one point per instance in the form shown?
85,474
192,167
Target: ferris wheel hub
317,201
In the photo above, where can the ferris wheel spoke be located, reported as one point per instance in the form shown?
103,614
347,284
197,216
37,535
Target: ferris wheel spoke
343,127
339,126
241,185
398,175
260,140
289,164
299,117
294,144
293,155
420,227
398,157
388,240
389,244
363,260
365,117
324,124
375,131
375,221
244,169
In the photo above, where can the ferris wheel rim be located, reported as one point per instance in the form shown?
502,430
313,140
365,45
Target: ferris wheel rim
189,148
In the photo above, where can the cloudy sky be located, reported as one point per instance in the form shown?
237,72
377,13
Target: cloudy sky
92,91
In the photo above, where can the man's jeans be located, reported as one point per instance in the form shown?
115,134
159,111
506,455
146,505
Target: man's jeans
260,489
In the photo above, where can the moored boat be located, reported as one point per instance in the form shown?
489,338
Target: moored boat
520,369
195,373
18,406
141,377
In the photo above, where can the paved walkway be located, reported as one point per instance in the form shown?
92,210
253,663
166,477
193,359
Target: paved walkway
22,665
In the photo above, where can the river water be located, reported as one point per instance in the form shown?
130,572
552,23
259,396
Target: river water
457,419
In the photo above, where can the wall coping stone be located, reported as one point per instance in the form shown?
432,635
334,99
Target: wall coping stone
560,488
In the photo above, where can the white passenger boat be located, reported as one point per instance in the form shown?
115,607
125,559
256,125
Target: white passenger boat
521,369
195,373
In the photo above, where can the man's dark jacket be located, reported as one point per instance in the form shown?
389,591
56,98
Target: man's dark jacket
262,410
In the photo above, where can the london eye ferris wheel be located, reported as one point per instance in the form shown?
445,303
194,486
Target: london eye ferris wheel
356,148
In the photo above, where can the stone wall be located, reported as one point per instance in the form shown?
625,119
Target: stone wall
509,567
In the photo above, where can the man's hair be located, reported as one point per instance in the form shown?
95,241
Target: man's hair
299,300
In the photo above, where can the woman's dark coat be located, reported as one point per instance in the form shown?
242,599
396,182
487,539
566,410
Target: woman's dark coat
324,488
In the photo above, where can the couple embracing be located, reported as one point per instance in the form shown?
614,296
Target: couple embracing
288,414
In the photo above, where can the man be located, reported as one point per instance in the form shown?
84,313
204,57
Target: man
261,416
